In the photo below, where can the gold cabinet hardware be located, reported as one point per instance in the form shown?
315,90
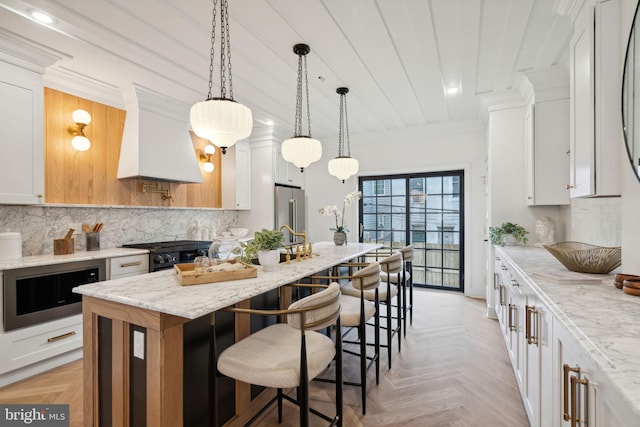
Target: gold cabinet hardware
130,264
61,337
531,323
575,418
510,323
565,388
501,293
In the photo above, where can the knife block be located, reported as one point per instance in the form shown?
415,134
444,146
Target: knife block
63,246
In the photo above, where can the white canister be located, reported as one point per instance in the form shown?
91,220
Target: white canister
10,246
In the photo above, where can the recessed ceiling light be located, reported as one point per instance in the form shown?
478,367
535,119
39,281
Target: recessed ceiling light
452,90
41,17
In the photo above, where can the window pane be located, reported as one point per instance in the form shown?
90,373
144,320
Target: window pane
399,187
434,185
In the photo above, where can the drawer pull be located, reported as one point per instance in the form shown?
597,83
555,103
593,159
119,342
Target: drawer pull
565,388
531,321
575,417
61,337
130,264
511,324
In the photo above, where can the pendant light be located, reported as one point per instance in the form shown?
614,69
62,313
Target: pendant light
222,120
343,166
301,150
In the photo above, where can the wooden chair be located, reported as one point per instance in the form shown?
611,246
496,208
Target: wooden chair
355,312
287,355
391,265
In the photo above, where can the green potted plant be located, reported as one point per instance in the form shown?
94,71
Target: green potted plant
265,246
499,235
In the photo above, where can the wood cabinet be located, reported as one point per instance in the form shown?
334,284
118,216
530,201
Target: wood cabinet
547,150
236,177
595,126
21,136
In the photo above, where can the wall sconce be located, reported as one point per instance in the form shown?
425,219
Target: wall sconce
80,141
209,151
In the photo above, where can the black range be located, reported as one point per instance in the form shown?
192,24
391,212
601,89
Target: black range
163,255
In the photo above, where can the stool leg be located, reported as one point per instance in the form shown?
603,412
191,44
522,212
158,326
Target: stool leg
389,316
339,378
377,338
363,364
213,363
280,406
400,312
404,303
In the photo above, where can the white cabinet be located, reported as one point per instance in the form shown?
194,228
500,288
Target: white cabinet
285,172
594,76
584,396
547,149
126,266
236,177
28,351
21,136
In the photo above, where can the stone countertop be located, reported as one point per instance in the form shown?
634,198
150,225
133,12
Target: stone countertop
38,260
603,319
162,292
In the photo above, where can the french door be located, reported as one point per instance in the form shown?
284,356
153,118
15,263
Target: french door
425,210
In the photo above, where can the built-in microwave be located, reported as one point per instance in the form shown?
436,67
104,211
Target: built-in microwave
40,294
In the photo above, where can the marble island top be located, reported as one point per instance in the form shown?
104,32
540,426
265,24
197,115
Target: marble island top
162,292
38,260
603,319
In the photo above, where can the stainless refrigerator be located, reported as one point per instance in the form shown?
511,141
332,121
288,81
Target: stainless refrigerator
290,210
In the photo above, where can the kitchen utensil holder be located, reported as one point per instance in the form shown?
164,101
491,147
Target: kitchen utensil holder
93,241
63,246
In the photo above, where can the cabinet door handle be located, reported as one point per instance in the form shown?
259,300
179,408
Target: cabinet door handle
531,322
569,186
61,337
495,280
510,324
565,388
130,264
575,418
500,290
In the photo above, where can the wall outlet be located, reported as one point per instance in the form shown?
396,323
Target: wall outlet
138,344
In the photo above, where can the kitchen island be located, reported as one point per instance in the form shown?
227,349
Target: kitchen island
160,307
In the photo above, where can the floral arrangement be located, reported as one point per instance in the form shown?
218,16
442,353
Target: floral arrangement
332,210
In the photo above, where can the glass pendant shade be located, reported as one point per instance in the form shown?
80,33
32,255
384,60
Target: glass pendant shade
343,167
80,143
222,121
301,151
81,116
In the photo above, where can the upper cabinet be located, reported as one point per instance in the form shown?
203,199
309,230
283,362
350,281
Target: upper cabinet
22,121
236,177
546,136
594,75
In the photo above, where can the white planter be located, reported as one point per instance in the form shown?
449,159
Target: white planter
510,240
269,259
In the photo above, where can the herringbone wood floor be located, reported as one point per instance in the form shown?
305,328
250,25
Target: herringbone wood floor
453,371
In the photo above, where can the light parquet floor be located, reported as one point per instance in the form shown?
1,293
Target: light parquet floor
453,371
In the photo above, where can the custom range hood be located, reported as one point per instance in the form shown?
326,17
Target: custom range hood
156,143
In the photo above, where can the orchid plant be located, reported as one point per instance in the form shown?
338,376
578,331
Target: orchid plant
332,210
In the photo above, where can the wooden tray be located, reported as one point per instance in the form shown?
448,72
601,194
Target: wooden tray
187,276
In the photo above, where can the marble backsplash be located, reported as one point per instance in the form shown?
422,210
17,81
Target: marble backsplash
41,224
597,221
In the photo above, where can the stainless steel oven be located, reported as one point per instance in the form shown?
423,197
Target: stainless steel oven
40,294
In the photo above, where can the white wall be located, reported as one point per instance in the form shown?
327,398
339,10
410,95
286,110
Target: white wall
424,149
630,184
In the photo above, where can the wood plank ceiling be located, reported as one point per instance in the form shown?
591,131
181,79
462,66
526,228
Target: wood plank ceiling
398,57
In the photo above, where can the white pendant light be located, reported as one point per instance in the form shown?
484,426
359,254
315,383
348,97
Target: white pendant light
301,150
343,166
222,120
